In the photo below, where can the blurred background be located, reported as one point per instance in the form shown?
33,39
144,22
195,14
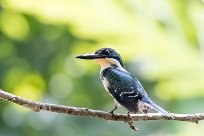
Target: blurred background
161,42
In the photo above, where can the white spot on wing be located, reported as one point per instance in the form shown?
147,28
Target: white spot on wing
134,96
132,92
121,94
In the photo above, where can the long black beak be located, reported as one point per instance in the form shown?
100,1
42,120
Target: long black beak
90,56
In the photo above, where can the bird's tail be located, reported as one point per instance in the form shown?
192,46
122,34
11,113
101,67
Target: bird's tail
156,107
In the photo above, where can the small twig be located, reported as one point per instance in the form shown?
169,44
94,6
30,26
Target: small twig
39,106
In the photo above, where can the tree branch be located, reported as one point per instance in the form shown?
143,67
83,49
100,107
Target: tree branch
39,106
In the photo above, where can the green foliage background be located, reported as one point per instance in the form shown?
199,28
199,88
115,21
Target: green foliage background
161,42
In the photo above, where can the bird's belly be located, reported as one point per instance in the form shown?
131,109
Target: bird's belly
105,84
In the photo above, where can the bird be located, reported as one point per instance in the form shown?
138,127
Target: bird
123,86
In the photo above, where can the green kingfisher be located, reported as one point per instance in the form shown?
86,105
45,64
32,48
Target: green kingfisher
122,85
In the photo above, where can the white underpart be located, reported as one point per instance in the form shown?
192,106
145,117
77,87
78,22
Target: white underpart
105,84
106,63
118,104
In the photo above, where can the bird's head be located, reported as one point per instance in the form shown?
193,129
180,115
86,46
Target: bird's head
106,57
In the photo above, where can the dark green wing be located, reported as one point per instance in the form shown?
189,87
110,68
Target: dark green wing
124,87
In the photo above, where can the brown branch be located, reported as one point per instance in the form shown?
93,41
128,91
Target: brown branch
39,106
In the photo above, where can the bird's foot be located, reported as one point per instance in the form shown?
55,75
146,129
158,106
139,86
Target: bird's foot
128,114
130,123
115,107
111,112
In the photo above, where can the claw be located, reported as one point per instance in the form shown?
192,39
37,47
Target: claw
111,112
115,107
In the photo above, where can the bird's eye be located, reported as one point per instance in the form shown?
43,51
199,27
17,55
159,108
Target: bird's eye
106,52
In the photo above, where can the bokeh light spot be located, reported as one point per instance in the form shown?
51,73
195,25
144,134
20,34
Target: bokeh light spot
74,67
31,87
41,120
60,85
12,117
13,76
7,49
14,25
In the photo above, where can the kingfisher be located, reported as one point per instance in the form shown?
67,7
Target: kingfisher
121,84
